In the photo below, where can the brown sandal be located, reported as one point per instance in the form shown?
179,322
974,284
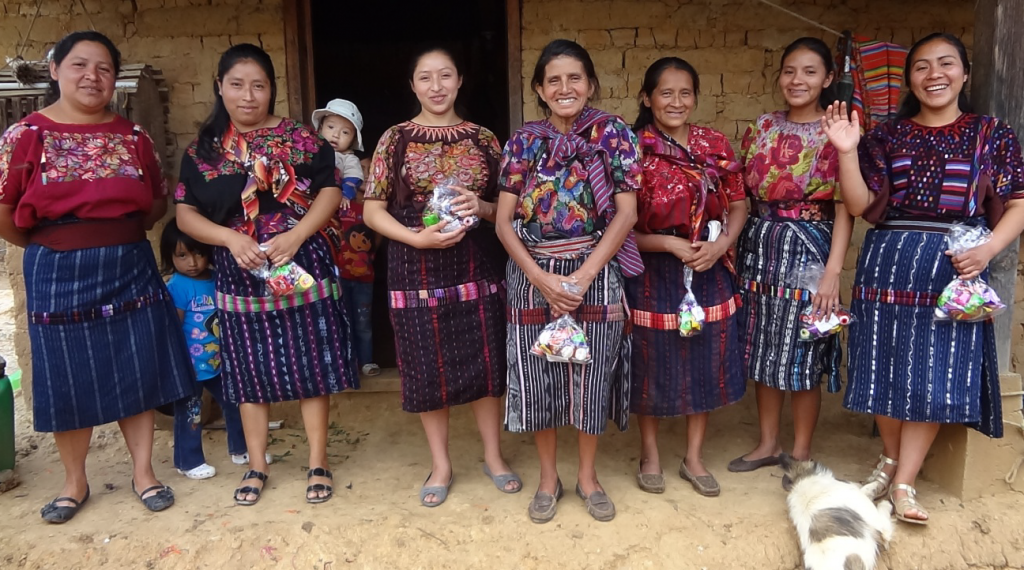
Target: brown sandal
705,485
650,482
544,505
598,504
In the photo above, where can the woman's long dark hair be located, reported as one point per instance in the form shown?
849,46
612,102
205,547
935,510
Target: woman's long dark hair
910,106
217,122
821,49
559,48
447,52
169,239
64,47
651,79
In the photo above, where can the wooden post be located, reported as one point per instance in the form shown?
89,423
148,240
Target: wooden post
964,461
514,28
298,44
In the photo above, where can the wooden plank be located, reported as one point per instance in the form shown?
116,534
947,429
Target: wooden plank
306,60
514,30
292,57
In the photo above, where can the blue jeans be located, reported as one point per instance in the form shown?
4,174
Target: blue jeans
358,297
188,437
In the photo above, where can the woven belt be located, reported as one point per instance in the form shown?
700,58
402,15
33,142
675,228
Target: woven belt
911,225
665,322
896,297
233,304
101,312
780,292
796,210
583,314
444,296
571,248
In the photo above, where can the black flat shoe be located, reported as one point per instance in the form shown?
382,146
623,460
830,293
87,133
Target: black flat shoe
162,499
241,492
315,490
60,514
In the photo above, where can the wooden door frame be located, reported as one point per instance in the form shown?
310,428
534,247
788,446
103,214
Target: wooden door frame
301,84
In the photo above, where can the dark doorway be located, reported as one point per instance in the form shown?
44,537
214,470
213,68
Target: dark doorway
361,52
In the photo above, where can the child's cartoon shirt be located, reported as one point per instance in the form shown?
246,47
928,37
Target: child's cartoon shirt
356,263
202,330
351,171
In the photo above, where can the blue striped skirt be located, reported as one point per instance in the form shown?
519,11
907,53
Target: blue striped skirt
768,252
903,364
672,375
106,339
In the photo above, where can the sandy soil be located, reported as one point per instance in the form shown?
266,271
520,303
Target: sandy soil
375,521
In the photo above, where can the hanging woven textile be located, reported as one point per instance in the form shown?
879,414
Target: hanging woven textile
877,69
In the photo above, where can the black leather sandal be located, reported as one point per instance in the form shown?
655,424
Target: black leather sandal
315,490
60,514
241,492
162,499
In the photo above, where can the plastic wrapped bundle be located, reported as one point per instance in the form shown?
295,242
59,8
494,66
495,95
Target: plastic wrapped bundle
439,208
973,299
563,340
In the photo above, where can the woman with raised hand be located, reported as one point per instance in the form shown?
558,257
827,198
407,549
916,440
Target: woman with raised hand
79,187
262,188
565,215
936,164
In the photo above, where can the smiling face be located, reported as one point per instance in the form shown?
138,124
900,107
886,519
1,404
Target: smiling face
802,78
672,100
937,75
86,77
338,131
436,82
246,93
565,89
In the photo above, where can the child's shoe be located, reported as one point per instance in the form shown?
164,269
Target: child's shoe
243,459
371,369
204,471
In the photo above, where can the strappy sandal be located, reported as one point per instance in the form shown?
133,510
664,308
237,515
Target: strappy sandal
241,492
439,491
544,505
877,485
162,499
598,504
502,480
901,506
319,487
60,514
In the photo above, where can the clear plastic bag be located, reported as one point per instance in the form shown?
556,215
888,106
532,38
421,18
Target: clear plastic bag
814,327
691,314
285,280
563,339
973,299
439,208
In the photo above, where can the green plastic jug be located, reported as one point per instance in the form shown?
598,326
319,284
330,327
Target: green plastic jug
6,419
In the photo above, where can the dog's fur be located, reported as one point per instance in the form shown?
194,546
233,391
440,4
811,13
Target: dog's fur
839,527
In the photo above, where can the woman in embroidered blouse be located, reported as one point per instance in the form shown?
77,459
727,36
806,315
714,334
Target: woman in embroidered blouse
79,187
691,183
446,294
565,215
790,171
936,164
264,189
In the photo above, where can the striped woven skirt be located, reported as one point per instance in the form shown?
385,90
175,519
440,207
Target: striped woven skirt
903,364
544,395
106,339
447,309
768,257
276,349
672,375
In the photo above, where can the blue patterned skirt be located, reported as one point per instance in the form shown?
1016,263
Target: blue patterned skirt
903,364
672,375
106,339
768,253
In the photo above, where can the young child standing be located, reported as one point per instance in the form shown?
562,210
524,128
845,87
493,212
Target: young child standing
192,289
356,267
341,125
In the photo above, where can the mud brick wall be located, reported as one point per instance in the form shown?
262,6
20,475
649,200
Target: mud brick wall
183,38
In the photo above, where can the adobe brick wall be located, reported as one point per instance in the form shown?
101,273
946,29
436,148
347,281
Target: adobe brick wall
183,38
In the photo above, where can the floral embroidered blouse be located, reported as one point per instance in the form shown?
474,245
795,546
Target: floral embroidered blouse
968,168
50,170
786,161
215,188
411,159
559,197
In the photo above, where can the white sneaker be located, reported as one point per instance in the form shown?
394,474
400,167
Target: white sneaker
243,459
204,471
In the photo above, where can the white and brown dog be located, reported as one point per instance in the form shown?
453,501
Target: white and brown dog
839,527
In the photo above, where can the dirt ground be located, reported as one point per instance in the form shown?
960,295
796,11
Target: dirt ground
375,521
